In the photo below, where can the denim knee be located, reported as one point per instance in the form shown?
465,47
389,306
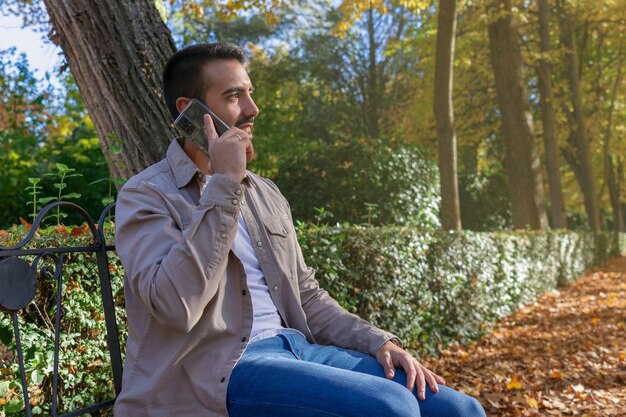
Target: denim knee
473,408
465,406
392,400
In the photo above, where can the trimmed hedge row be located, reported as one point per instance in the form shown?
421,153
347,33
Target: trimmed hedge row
431,288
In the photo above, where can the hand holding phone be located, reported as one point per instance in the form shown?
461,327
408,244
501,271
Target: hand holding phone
190,123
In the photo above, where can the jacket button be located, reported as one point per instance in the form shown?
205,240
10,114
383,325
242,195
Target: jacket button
223,379
275,287
243,339
238,192
259,243
235,201
244,292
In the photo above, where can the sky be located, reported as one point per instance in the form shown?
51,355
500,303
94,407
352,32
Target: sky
42,55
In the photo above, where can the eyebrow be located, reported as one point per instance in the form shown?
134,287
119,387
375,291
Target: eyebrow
237,90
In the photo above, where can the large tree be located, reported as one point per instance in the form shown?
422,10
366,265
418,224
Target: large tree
522,161
614,163
580,160
116,52
444,115
550,132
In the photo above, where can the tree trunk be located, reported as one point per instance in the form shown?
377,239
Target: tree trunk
373,96
578,125
614,171
522,162
550,135
444,115
116,51
615,176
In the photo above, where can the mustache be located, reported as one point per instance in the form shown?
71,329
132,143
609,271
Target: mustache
244,121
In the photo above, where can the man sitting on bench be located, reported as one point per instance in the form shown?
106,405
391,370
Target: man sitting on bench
224,316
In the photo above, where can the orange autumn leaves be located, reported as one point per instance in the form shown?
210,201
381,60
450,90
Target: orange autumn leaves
563,355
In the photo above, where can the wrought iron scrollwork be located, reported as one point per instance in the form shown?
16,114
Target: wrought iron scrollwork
18,284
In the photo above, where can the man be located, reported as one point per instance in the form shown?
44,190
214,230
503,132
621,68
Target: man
224,316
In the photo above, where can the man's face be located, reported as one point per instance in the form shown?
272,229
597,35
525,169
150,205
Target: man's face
230,94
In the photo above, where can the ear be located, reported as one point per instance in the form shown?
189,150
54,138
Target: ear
181,102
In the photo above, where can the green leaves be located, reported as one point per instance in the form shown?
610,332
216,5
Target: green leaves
433,288
63,172
363,181
13,406
85,376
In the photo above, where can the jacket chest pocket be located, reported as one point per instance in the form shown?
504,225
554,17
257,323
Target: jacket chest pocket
283,240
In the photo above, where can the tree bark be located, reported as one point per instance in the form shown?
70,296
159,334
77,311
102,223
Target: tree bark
116,51
614,165
522,162
578,123
444,115
550,135
373,95
615,176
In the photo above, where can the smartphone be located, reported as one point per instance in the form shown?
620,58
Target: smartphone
190,123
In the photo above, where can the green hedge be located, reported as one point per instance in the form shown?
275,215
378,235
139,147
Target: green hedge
429,287
433,288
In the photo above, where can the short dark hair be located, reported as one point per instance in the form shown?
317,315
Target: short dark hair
182,73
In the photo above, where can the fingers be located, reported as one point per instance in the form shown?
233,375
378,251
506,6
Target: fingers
430,380
388,365
418,376
439,379
230,153
421,381
408,364
209,128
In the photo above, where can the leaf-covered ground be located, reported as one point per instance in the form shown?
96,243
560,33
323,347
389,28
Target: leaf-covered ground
564,355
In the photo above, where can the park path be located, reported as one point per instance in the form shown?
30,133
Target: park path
563,355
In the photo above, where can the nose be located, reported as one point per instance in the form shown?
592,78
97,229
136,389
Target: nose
250,108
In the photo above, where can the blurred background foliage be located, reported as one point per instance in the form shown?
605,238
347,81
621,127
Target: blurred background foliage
345,90
41,125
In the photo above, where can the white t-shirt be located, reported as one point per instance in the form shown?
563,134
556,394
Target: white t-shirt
266,321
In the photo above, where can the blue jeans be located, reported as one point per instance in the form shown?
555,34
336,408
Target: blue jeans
286,376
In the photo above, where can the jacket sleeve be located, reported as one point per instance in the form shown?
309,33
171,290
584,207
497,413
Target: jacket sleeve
330,323
175,271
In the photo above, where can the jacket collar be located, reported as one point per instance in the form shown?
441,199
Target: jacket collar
182,166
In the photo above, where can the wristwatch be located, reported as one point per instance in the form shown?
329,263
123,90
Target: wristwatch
395,341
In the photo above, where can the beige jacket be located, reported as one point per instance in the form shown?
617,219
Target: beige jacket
188,307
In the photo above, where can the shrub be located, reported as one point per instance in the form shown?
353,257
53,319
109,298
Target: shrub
431,288
363,182
84,364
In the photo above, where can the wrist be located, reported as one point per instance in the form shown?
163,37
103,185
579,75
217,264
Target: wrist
396,342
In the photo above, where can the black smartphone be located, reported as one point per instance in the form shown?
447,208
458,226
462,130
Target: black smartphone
190,123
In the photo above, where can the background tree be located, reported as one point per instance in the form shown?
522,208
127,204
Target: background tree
580,159
550,133
116,52
40,126
316,67
522,162
614,163
444,115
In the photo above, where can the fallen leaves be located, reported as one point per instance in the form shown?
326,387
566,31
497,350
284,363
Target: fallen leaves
514,383
565,355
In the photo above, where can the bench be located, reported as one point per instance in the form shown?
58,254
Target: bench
21,267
